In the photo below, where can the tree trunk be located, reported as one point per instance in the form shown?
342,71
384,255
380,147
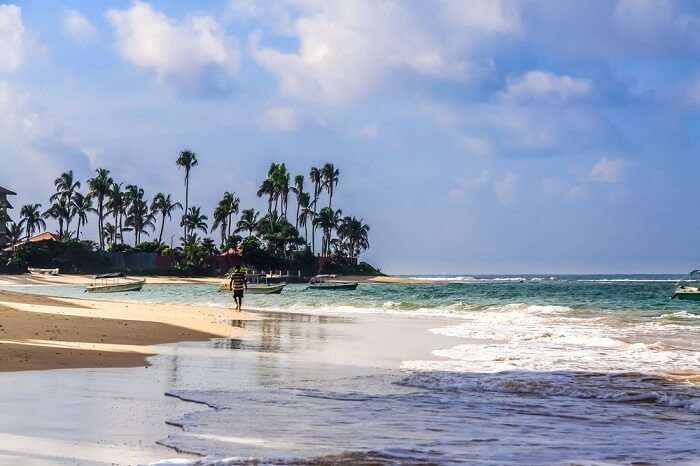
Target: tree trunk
162,227
187,202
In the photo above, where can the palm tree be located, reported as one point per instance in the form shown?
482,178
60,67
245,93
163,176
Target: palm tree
355,234
305,214
330,176
230,204
15,233
195,220
316,178
328,220
164,206
31,219
99,189
81,207
221,220
208,246
140,218
111,233
187,160
248,221
267,188
66,186
281,179
60,211
298,189
116,205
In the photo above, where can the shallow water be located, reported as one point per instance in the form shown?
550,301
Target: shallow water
571,370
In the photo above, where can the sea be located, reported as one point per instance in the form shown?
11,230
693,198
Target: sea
488,370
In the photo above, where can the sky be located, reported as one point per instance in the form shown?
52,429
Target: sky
473,136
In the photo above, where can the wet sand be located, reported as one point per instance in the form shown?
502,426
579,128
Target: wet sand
39,332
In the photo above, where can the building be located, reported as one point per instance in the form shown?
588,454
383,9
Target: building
4,216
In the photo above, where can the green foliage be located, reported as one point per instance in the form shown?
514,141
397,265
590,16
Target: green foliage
150,246
343,267
70,256
120,248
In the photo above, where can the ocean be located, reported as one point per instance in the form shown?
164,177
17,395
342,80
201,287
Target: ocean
488,370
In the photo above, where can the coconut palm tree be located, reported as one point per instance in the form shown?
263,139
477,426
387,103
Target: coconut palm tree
15,233
328,220
354,234
230,203
139,218
31,219
164,206
99,189
66,186
112,234
195,220
281,179
267,188
221,220
298,189
116,206
248,221
81,207
330,176
317,179
187,160
60,211
306,214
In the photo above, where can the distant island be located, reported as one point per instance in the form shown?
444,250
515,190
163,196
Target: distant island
300,230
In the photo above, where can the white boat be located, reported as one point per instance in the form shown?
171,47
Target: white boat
114,283
688,290
35,271
258,288
320,282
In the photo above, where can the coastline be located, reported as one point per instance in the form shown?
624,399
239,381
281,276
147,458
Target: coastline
39,332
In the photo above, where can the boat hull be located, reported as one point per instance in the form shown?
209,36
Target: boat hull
260,289
687,295
333,287
117,288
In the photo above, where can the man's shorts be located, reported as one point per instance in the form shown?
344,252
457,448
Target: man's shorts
238,293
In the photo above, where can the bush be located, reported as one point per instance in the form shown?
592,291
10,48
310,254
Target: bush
68,256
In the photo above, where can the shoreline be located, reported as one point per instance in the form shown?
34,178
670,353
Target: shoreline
42,333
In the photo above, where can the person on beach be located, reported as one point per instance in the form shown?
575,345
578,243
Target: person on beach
238,283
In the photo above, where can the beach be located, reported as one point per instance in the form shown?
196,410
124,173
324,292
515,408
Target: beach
497,370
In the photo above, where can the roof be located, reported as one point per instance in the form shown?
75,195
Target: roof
45,236
7,191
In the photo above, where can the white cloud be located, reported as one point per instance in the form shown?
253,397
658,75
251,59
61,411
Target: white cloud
17,42
537,85
461,186
505,186
369,132
279,119
185,51
35,148
78,27
607,170
477,146
346,49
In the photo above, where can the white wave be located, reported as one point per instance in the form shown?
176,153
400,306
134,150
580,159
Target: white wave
680,315
446,279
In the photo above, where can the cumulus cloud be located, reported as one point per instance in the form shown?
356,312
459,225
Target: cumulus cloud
78,27
607,170
505,186
279,119
18,43
35,148
346,49
542,85
195,52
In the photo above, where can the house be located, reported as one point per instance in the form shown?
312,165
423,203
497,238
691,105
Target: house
4,216
45,236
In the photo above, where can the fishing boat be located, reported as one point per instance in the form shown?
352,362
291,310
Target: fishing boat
114,283
35,271
320,282
261,288
688,290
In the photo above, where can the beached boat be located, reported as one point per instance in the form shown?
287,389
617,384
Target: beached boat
114,283
689,289
320,282
35,271
260,288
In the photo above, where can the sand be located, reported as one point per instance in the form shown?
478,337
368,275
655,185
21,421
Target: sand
38,332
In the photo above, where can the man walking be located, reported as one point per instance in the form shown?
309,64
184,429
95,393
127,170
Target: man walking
238,283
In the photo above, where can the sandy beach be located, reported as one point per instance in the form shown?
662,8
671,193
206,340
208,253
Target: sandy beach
39,332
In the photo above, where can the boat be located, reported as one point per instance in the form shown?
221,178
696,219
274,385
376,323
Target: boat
688,290
114,283
260,288
35,271
319,282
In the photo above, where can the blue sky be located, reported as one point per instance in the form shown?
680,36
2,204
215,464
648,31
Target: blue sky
481,136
